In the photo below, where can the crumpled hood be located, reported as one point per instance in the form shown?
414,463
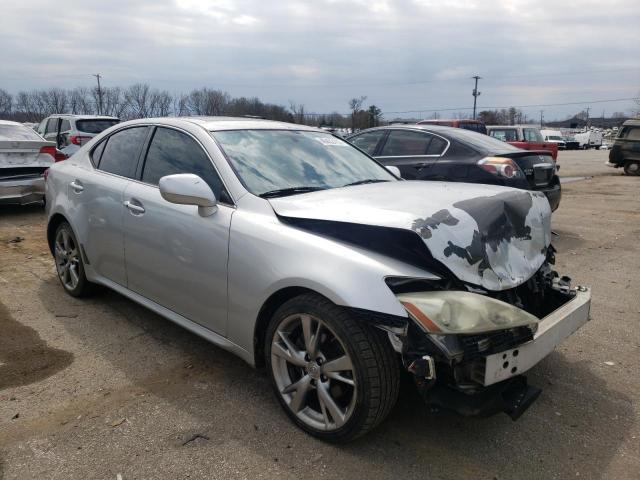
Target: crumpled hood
494,237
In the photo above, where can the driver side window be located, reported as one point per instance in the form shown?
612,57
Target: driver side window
174,152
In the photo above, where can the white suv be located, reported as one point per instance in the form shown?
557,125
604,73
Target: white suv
70,132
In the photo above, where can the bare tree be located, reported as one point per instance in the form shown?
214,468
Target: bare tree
355,105
137,98
6,103
298,111
57,100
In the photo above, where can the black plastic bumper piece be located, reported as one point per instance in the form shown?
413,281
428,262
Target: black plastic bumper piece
513,397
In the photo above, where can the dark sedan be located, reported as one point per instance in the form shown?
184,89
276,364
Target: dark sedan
430,152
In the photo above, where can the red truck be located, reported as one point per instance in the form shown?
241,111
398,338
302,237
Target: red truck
526,137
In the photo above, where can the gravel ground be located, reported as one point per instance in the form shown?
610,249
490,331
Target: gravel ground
100,387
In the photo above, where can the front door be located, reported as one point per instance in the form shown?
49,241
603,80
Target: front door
174,256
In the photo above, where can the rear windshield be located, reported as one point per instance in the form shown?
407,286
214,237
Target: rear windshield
95,126
18,132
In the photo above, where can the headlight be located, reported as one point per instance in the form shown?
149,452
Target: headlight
451,312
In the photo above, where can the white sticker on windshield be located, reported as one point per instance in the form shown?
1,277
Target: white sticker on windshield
331,141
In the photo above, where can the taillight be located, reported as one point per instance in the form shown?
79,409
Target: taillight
59,156
499,166
49,150
78,139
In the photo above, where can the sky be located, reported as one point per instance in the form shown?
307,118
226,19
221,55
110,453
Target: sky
407,56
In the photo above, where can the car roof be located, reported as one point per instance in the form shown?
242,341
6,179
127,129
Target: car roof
228,123
452,120
467,137
514,126
82,117
9,122
635,122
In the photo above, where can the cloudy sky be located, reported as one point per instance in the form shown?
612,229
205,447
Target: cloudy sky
404,55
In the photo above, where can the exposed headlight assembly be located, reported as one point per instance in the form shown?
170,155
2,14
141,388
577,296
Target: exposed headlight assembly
458,312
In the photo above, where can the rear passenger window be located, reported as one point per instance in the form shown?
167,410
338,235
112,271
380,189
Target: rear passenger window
633,134
120,156
52,125
97,153
65,126
531,135
437,146
405,143
506,135
174,152
367,141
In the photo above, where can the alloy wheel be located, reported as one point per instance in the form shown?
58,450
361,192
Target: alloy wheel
313,372
67,259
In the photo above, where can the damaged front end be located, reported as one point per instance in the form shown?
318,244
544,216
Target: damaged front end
468,348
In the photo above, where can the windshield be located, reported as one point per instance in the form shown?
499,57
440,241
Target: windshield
18,132
271,160
555,137
95,126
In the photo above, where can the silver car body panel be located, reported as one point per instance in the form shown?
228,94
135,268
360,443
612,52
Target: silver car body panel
491,236
265,254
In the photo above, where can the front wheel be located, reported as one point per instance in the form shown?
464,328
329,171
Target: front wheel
335,377
632,168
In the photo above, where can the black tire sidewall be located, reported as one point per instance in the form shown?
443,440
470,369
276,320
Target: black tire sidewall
628,164
331,314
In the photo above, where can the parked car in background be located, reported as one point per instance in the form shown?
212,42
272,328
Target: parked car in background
625,151
589,139
24,158
432,152
526,137
554,136
292,249
571,143
70,132
473,125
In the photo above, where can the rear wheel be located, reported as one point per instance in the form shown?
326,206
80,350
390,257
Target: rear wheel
632,168
335,377
69,263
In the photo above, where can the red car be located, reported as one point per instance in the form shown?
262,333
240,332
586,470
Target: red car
526,137
473,125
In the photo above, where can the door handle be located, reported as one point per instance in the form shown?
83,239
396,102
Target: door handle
77,186
133,207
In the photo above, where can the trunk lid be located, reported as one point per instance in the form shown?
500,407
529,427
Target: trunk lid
490,236
538,167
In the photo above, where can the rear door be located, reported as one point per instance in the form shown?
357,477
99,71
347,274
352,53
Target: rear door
368,141
174,256
411,151
97,198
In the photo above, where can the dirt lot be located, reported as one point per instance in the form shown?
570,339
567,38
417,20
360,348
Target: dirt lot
100,387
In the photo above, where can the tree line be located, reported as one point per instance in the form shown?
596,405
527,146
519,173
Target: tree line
141,100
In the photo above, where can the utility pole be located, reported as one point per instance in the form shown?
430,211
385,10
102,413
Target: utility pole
97,75
541,117
588,123
475,94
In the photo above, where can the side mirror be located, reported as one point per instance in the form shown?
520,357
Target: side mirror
394,170
188,189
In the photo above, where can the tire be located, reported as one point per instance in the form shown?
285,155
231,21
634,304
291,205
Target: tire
69,264
331,398
632,168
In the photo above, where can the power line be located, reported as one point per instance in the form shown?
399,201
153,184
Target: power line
516,106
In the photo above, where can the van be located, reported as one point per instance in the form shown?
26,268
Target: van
625,152
554,136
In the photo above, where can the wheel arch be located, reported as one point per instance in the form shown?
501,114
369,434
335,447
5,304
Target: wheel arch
267,310
54,222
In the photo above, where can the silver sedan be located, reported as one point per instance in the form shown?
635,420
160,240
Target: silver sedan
296,251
